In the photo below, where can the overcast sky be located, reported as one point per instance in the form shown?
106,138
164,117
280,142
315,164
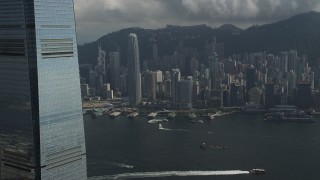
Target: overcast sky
96,18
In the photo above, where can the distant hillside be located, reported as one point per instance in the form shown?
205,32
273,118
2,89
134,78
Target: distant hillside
230,28
301,32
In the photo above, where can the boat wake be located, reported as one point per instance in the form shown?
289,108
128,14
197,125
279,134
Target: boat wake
168,174
103,164
122,165
167,129
153,121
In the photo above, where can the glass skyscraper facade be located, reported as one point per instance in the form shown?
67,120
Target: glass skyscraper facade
41,123
134,75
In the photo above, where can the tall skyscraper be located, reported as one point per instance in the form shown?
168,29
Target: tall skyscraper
150,85
214,70
134,75
100,70
292,60
175,79
41,123
185,94
284,62
115,70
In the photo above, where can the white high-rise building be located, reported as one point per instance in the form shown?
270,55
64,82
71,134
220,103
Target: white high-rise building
134,75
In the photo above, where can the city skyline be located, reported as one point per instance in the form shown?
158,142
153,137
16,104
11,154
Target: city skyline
203,78
158,103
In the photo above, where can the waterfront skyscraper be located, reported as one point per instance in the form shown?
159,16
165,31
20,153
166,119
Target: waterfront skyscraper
214,70
185,94
134,75
150,80
175,79
41,123
100,70
114,58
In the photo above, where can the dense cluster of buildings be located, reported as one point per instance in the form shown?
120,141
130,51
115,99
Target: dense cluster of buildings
206,79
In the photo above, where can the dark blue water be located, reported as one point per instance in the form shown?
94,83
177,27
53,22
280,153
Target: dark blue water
286,150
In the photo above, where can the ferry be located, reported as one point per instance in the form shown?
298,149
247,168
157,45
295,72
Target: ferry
133,115
115,114
152,115
315,113
257,171
252,108
294,116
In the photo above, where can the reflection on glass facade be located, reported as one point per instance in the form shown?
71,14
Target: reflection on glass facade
41,124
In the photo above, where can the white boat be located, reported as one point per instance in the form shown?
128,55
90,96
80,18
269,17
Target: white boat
157,120
133,115
115,114
211,116
257,171
196,121
152,115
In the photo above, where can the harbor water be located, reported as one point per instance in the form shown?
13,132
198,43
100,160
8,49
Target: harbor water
123,148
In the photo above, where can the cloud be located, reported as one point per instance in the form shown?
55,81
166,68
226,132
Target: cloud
98,17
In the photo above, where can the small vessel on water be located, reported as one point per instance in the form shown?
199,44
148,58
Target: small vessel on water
257,171
115,114
95,113
196,121
133,115
252,108
171,115
211,116
192,116
205,146
292,116
315,113
152,115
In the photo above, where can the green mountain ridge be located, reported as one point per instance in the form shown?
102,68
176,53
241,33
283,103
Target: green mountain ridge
299,32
